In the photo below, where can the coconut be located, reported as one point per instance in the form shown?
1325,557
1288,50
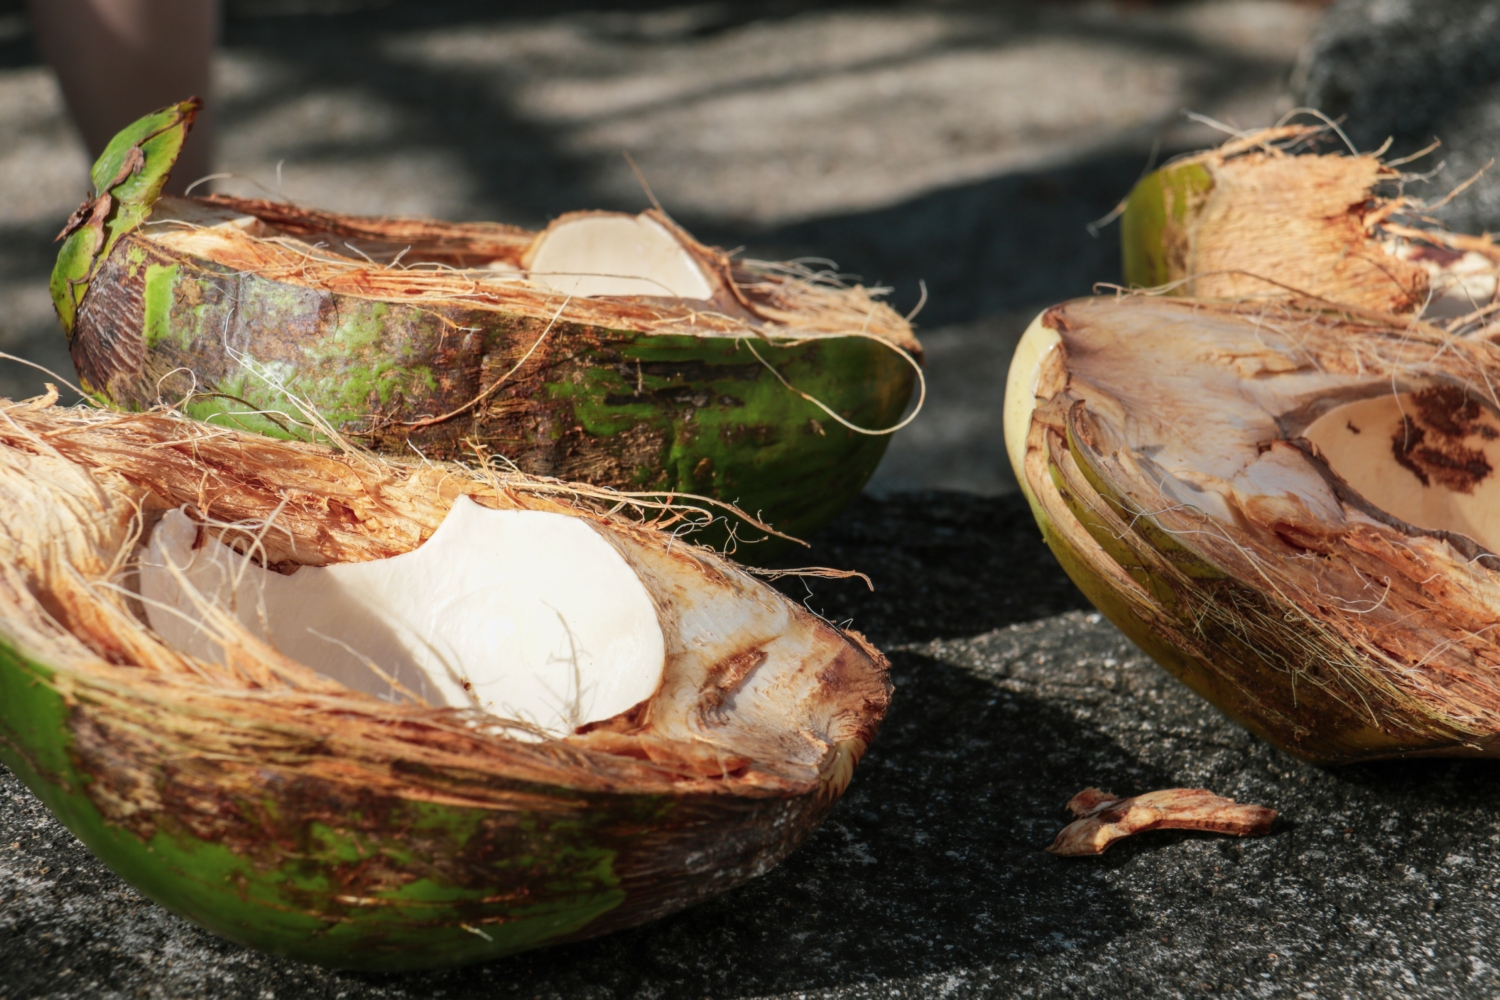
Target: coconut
395,715
1265,216
608,348
1290,507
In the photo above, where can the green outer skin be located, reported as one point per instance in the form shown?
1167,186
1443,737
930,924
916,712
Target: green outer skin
1154,230
656,412
266,907
273,864
158,137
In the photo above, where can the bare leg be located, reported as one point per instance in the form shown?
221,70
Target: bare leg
119,59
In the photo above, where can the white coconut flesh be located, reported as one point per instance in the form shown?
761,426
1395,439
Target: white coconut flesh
608,254
1194,405
1426,457
526,615
1461,283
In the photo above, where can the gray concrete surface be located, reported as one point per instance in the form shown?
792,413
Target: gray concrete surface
966,145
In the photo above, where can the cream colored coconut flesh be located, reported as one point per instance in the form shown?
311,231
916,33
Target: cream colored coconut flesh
1036,343
606,254
1425,457
1184,395
526,615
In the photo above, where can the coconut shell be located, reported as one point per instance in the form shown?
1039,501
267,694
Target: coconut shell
1167,449
286,812
415,336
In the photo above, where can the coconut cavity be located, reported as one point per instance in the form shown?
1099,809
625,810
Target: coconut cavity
1427,457
526,615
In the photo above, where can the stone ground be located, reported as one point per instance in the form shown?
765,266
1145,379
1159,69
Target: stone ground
967,146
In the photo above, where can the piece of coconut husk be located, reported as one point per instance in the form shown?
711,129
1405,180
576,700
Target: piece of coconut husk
1332,586
775,391
285,811
1104,819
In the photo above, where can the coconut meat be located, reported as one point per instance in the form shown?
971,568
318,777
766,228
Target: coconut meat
194,215
526,615
1427,457
604,253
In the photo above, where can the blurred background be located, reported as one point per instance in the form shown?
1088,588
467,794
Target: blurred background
967,145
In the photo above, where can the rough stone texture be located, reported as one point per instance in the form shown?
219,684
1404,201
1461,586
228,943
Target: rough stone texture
930,879
1412,71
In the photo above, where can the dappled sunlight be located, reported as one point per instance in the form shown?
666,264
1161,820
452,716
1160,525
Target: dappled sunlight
831,111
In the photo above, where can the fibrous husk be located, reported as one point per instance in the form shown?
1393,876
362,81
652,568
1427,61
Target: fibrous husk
771,386
1265,216
1292,508
1104,818
286,811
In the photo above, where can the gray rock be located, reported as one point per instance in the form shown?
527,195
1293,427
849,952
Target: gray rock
1412,71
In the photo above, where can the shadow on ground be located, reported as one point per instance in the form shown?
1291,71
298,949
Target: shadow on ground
981,248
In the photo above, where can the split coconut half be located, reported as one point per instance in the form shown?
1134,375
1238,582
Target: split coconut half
609,348
1291,508
385,715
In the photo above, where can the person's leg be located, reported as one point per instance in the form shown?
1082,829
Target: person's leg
119,59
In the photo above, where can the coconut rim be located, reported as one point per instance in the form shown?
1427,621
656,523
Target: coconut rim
785,303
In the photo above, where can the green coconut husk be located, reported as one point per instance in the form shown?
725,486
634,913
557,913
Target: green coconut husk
1266,217
1292,508
409,336
289,813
